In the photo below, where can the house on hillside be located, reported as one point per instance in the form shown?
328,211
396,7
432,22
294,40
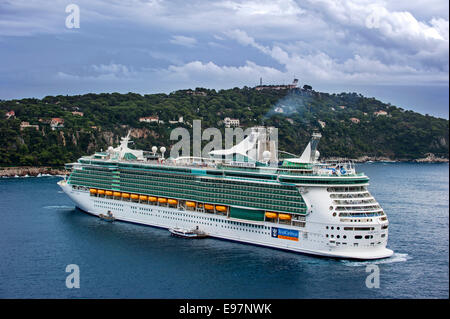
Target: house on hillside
381,112
180,120
229,122
150,119
78,113
355,120
10,114
25,125
56,123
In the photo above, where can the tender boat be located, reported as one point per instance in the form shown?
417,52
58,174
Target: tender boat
184,233
109,217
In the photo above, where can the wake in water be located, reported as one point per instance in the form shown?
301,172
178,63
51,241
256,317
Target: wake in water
395,258
62,207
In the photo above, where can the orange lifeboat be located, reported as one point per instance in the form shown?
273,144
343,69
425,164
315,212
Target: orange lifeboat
108,193
209,206
125,195
93,191
271,215
143,197
190,204
117,194
152,198
100,192
134,196
172,201
162,200
221,208
284,216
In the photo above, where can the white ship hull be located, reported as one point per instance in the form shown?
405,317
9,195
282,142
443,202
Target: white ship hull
310,239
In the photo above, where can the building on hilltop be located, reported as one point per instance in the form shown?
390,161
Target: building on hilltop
196,93
260,87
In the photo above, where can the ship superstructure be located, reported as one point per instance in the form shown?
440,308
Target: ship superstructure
244,194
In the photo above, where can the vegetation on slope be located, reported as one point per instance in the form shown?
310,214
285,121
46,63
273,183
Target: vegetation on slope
399,134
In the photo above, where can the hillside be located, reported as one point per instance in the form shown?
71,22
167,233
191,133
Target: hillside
351,124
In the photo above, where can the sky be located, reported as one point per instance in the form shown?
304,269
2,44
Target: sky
396,51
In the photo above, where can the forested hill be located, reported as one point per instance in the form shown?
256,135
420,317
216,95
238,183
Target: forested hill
351,124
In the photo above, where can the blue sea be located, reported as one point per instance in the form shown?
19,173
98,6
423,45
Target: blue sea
41,233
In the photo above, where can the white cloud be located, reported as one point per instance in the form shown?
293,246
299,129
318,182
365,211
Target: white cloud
342,41
102,72
183,40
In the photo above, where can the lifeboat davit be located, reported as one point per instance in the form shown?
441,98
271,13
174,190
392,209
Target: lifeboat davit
162,200
190,204
221,208
271,215
209,206
172,201
284,216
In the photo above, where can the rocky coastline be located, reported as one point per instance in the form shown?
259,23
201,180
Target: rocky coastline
31,171
430,158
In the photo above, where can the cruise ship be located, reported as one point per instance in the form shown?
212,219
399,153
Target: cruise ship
244,194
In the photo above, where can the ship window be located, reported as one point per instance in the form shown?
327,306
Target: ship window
358,237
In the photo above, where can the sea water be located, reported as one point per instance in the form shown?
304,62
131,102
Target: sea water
41,232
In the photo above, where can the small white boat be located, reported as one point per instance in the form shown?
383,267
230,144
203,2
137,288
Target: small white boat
184,233
109,217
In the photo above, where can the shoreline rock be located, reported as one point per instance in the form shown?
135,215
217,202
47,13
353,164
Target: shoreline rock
31,171
431,158
365,159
